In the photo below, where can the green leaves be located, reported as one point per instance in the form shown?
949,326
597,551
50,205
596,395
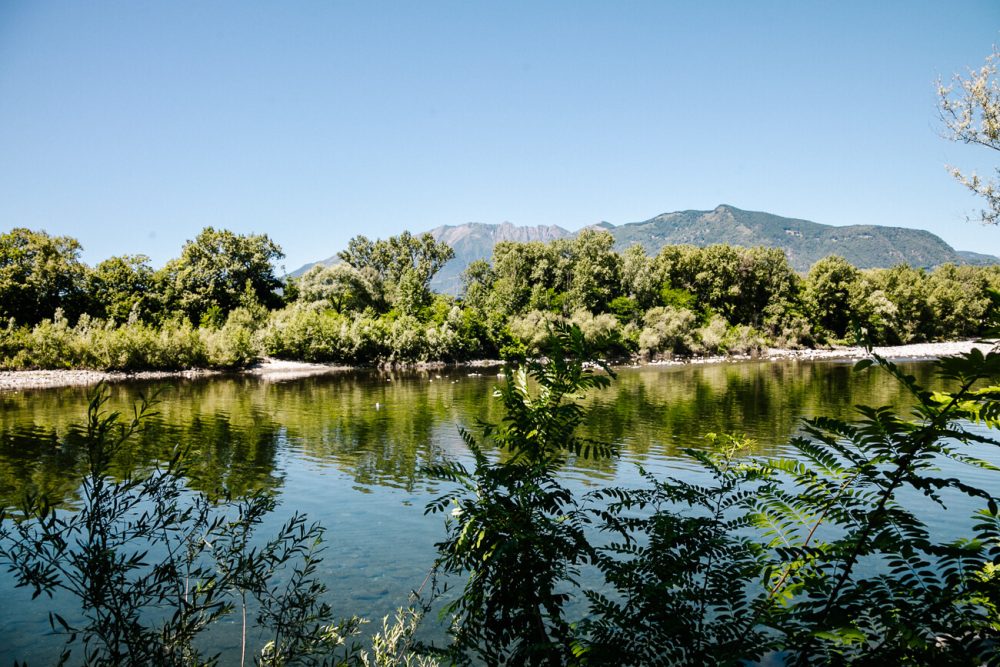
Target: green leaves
221,269
823,557
516,532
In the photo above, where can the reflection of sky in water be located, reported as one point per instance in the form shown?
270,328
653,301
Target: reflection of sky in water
330,453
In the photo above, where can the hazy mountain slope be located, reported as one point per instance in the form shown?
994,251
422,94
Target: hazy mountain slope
978,258
804,242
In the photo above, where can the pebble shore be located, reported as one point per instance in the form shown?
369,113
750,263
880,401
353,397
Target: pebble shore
278,370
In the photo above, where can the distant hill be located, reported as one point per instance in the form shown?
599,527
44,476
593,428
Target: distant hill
804,242
977,258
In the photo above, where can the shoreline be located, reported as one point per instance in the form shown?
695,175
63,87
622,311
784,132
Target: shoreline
278,370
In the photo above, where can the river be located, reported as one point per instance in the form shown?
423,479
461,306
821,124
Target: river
347,449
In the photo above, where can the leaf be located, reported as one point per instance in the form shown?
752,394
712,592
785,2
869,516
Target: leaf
863,364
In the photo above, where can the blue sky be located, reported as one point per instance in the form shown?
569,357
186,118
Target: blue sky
132,125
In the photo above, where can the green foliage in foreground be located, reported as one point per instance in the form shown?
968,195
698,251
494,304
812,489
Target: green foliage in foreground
825,558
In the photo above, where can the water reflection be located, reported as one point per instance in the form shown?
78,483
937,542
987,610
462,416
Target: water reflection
379,429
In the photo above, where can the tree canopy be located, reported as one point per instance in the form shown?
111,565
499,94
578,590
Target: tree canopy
38,274
219,269
399,268
123,287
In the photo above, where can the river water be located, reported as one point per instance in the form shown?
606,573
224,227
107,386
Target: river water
348,449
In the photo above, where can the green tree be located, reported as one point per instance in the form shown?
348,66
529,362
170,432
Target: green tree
399,268
829,293
122,286
639,277
595,270
518,533
970,110
531,275
477,281
340,286
217,269
38,274
893,305
751,286
958,300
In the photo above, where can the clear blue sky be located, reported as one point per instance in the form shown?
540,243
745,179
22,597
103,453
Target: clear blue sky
132,125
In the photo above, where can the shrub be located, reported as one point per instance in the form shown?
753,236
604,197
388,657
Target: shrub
531,329
745,340
827,558
668,331
712,335
236,344
602,332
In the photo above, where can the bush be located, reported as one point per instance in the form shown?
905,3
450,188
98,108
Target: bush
236,344
668,331
602,332
744,340
308,333
712,335
531,330
153,567
132,346
793,332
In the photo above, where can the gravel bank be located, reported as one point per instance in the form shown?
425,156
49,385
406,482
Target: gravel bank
276,370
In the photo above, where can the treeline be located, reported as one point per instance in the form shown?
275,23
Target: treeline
221,304
719,299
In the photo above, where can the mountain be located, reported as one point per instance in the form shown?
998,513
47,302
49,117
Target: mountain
977,258
804,242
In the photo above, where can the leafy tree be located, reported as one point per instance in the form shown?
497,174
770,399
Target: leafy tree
745,285
894,305
529,276
399,268
477,283
38,274
217,269
958,297
639,279
830,292
122,287
970,110
340,286
595,270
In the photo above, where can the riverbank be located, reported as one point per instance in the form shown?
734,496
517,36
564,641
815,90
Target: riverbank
915,351
277,370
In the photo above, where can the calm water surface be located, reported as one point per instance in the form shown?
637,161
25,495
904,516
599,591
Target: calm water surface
348,450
